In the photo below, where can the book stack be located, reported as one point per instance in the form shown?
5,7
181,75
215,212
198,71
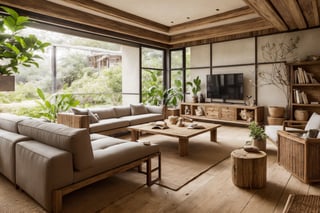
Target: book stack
303,77
300,97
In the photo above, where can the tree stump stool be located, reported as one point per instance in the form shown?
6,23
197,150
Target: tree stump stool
249,170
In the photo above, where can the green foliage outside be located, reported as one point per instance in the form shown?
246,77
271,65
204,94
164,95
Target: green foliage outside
53,104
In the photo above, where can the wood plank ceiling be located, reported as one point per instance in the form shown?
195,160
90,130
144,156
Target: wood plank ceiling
265,17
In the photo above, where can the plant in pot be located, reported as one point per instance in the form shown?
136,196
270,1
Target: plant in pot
16,49
258,136
195,85
173,95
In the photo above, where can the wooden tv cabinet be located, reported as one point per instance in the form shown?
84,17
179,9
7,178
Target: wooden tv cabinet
224,113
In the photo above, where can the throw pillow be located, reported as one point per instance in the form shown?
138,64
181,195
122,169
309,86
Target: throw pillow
313,123
137,109
93,117
79,111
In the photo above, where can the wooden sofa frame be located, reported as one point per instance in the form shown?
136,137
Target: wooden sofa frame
59,193
300,156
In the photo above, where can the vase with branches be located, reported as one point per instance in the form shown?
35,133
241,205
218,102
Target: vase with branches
278,54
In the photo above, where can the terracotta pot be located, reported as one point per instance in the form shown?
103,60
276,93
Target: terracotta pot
301,115
275,121
276,111
260,144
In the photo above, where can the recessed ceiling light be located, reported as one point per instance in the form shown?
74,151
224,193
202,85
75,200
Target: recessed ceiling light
171,22
217,9
188,17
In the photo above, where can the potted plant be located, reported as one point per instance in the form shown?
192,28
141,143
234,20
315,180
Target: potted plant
195,85
16,49
173,95
258,136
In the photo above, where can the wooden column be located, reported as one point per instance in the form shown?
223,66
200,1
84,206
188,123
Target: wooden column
249,170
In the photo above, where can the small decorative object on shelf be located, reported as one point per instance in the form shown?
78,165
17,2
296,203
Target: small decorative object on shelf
199,111
187,110
202,100
246,115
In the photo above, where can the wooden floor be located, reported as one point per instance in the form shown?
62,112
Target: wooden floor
213,191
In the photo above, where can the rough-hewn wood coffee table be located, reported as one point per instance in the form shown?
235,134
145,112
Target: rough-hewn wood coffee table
182,133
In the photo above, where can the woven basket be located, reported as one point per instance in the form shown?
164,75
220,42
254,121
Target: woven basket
276,111
275,121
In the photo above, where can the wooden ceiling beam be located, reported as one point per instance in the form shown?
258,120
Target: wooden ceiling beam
291,12
225,30
122,15
69,14
211,19
266,11
310,11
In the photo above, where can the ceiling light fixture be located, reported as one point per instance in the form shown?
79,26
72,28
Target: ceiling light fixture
217,9
188,17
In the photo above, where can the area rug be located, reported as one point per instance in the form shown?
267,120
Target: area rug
178,171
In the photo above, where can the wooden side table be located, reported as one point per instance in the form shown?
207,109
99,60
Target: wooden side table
249,170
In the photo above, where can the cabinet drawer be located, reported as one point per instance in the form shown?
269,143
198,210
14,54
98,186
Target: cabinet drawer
212,112
228,113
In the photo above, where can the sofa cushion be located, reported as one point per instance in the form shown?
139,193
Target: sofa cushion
313,122
9,122
143,118
108,124
138,109
122,111
154,109
74,140
110,153
8,141
104,113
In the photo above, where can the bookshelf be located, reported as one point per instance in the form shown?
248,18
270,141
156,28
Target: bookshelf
304,87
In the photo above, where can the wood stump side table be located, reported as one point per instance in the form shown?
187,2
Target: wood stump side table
249,170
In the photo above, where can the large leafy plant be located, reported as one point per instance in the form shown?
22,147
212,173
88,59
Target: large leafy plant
173,95
16,49
54,104
195,85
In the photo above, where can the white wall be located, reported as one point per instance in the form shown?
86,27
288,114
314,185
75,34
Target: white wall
130,74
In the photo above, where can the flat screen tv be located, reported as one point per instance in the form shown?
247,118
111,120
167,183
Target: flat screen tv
225,86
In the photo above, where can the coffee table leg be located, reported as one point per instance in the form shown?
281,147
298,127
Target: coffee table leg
134,135
213,135
183,146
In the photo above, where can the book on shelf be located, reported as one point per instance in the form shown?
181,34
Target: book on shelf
303,77
300,97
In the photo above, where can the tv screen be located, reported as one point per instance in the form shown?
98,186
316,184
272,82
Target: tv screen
225,86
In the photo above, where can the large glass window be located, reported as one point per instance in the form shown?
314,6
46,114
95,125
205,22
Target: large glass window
90,70
152,71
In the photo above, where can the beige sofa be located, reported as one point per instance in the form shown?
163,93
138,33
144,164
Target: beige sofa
49,160
111,120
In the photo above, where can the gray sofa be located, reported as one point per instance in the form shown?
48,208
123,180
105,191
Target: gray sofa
49,160
111,120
